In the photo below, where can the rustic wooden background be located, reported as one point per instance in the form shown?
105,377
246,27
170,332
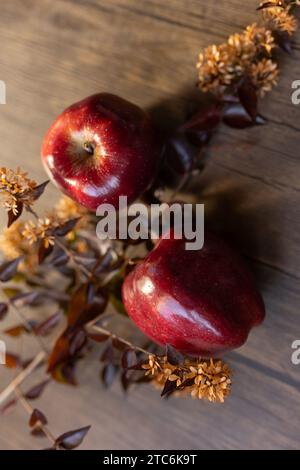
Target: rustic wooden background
56,52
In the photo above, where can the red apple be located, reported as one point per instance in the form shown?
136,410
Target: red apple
101,148
200,302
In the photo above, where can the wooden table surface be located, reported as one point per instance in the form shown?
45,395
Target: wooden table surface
56,52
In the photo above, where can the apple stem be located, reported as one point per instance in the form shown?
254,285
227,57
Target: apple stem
89,148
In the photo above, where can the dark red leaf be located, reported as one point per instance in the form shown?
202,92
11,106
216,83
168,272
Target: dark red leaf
107,354
66,227
72,439
283,40
65,372
248,97
66,347
12,217
125,380
9,269
104,263
137,366
36,391
206,119
38,190
108,374
180,155
174,357
143,379
59,257
60,352
169,387
44,251
77,304
90,293
44,328
260,120
61,297
87,261
25,299
99,338
86,305
237,117
128,358
77,342
230,98
12,360
3,310
37,417
17,330
93,310
187,383
11,292
119,344
37,432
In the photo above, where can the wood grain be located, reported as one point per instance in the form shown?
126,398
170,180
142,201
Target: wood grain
55,52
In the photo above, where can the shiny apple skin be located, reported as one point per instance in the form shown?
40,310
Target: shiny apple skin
101,148
202,303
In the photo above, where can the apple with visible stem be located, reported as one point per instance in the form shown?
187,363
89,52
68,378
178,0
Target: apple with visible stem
200,302
101,148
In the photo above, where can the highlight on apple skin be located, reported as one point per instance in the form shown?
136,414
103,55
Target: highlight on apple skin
202,303
100,148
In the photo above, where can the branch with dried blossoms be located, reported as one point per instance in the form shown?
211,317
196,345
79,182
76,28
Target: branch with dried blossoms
18,191
249,54
206,379
233,76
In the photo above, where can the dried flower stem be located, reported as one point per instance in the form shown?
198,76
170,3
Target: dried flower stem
111,335
22,376
25,322
27,407
79,268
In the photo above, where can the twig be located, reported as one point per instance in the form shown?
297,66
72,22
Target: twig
78,267
26,405
25,322
111,335
83,269
22,376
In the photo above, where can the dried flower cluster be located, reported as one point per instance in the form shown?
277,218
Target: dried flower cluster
17,240
66,209
248,53
43,229
14,244
221,66
203,379
264,75
278,17
16,188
